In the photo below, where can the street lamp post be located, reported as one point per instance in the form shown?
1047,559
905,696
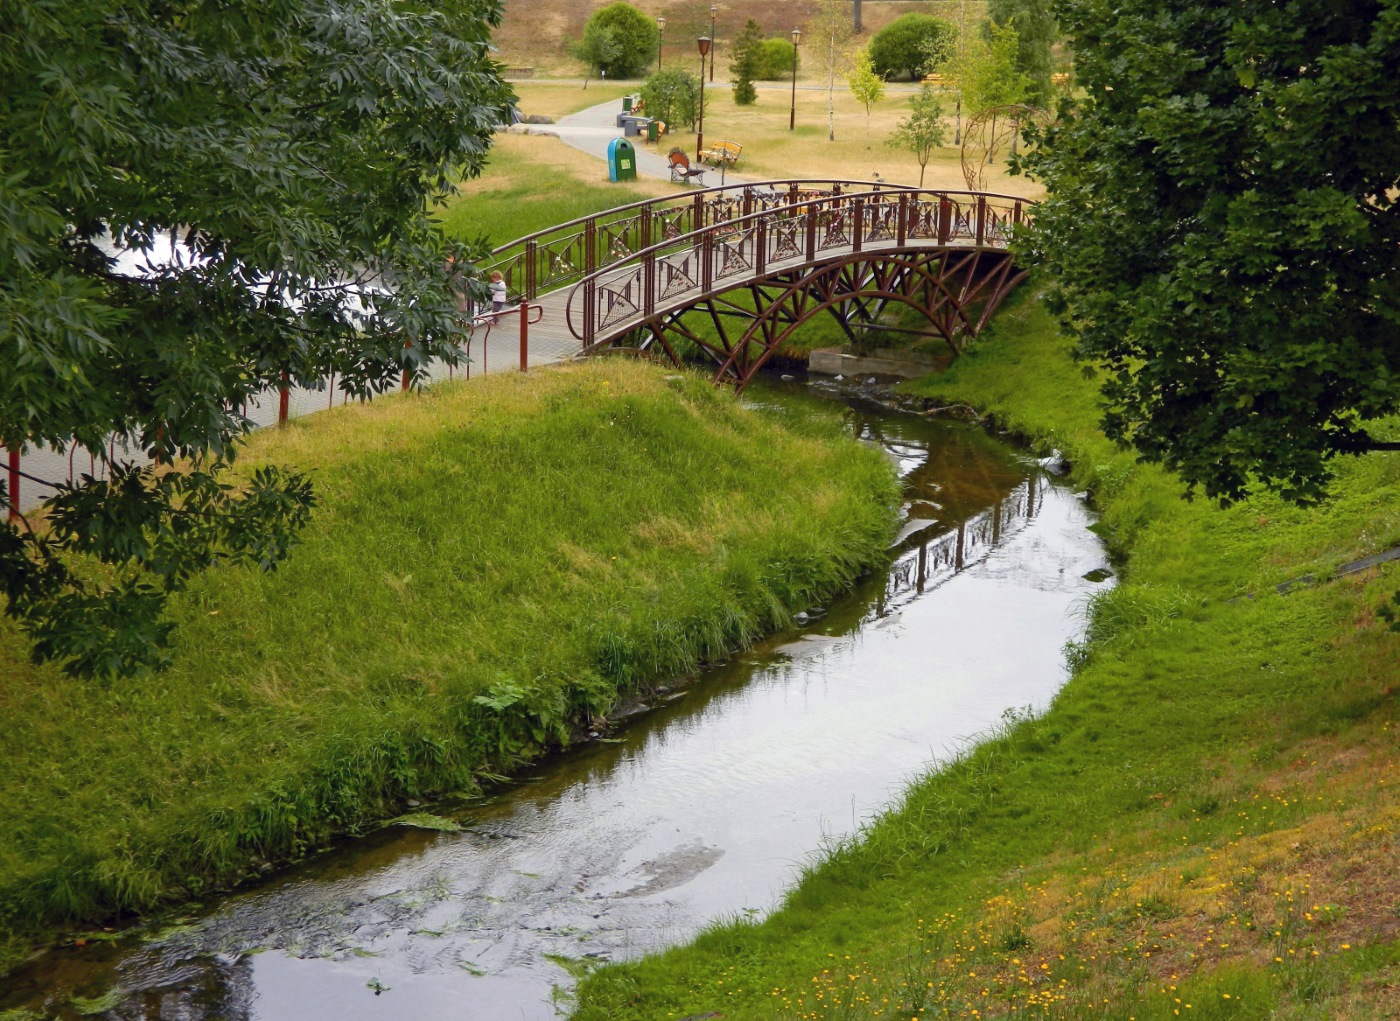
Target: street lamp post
714,8
704,45
660,34
792,115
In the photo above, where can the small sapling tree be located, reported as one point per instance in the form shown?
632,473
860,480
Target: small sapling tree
830,41
922,131
867,86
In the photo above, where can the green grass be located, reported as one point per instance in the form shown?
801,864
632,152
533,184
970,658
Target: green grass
532,183
475,585
1207,815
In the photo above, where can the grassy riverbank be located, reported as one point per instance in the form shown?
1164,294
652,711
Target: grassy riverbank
1204,825
491,565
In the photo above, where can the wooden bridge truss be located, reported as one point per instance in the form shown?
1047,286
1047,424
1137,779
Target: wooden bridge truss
728,274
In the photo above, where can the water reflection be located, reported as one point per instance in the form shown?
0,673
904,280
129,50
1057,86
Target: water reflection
700,809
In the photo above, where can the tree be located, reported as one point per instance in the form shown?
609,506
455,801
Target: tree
775,59
991,76
909,44
829,35
1222,230
671,96
743,65
1035,33
618,40
293,167
923,130
867,86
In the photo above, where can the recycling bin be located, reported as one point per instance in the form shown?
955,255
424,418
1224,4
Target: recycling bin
622,160
626,104
652,131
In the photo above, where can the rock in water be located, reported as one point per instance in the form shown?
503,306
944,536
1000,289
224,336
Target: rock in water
801,618
1055,464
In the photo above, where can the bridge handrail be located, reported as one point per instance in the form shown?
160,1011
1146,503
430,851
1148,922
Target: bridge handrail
807,208
517,259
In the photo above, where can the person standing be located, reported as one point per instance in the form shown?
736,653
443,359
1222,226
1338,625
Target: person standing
498,291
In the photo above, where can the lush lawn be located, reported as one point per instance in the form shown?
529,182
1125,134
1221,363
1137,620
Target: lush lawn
475,585
1204,825
533,182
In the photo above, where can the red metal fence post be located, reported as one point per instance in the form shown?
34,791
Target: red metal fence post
524,336
13,493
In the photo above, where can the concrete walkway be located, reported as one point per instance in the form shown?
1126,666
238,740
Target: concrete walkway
592,129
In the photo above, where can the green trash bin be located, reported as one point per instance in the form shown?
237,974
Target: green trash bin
651,131
622,160
626,104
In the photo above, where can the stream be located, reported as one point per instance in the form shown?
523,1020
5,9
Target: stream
700,809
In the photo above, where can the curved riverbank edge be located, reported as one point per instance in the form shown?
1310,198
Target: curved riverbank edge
493,568
1203,824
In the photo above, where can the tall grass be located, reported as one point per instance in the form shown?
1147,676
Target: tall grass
1203,824
492,564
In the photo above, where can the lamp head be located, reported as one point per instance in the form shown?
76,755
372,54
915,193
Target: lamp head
661,24
704,43
796,36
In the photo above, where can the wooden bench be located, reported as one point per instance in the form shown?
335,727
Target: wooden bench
681,170
721,152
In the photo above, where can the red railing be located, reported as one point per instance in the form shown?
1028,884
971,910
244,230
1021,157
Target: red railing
726,253
566,253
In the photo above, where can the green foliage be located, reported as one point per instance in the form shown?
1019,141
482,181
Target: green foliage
1036,33
991,76
743,66
472,588
1222,226
285,159
910,45
672,96
775,59
1090,805
618,40
923,130
867,86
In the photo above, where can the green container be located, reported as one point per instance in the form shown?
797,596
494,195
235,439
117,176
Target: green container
626,104
651,131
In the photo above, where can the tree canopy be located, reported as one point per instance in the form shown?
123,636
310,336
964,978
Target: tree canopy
286,157
618,40
1222,230
908,43
1036,33
672,97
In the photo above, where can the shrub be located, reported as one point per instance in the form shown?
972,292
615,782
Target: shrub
904,45
618,40
774,60
671,96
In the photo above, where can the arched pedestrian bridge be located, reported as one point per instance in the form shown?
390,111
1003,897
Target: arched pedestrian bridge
729,273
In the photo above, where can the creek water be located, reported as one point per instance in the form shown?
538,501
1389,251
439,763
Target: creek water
702,808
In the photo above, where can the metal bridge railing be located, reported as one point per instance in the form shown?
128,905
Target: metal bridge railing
727,252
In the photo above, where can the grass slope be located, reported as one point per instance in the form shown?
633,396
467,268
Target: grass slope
491,564
1204,824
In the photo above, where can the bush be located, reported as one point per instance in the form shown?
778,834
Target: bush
904,45
774,60
618,40
671,96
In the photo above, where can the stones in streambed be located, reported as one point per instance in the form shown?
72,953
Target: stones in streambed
1098,574
1055,464
426,821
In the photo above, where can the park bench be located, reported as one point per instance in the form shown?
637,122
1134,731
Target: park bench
681,170
721,152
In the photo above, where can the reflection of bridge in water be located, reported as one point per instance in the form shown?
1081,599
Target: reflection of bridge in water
928,556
